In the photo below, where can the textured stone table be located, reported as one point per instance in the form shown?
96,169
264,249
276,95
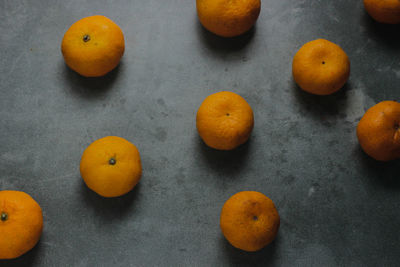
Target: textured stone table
338,207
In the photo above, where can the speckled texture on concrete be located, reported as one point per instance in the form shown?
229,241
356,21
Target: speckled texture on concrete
338,207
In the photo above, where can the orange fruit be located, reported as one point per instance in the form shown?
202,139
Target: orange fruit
249,220
93,46
111,166
21,223
321,67
384,11
224,120
379,131
228,18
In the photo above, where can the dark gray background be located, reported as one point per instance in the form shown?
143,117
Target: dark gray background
338,207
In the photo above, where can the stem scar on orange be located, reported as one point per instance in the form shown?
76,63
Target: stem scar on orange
93,46
111,166
321,67
378,131
249,220
21,223
224,120
228,18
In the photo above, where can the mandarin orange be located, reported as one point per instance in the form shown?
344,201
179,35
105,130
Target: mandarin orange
379,131
111,166
321,67
224,120
249,220
93,46
21,223
228,18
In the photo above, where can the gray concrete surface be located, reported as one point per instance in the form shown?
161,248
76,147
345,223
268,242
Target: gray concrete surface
338,207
